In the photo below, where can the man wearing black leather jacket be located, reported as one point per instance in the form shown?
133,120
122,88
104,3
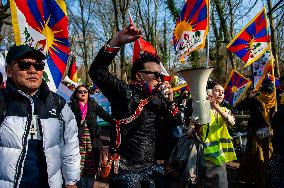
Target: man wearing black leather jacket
137,108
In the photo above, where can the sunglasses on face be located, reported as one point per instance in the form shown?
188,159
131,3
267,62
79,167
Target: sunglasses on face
82,91
24,65
156,74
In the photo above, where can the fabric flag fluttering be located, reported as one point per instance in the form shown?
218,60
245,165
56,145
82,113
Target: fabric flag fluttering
43,25
179,83
260,68
252,41
191,28
235,88
146,47
72,72
140,46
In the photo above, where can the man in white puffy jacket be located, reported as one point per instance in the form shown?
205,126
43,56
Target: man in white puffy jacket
38,130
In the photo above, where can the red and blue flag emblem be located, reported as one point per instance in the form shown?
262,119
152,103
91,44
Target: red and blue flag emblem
235,88
253,40
43,25
191,27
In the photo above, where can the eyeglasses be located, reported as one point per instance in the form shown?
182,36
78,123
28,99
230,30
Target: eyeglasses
24,65
156,74
82,91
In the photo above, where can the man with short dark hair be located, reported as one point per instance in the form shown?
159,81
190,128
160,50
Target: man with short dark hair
137,108
38,130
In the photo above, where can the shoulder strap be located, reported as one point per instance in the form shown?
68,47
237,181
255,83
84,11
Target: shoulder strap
128,120
59,103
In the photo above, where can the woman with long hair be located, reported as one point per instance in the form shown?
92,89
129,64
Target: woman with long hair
86,111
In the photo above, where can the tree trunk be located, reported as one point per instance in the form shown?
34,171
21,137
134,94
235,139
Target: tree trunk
224,27
84,33
123,7
218,57
3,15
174,11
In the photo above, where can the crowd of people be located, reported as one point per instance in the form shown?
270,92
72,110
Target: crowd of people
45,142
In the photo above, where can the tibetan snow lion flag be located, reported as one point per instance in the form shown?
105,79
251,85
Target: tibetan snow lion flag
235,88
179,83
43,25
252,41
260,68
191,28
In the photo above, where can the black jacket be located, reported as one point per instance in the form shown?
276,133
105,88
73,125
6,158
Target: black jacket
278,128
256,119
94,110
138,138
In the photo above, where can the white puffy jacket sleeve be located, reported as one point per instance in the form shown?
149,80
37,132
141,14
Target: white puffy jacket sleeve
69,148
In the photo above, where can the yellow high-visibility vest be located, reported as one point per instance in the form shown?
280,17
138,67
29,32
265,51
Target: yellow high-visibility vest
218,146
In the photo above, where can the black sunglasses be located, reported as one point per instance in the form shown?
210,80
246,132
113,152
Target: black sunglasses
24,65
156,74
82,91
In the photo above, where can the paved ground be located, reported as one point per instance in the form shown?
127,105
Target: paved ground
232,169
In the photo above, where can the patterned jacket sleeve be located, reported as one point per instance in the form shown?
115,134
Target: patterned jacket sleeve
69,148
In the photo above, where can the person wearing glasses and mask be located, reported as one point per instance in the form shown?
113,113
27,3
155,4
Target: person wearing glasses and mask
38,132
86,111
137,108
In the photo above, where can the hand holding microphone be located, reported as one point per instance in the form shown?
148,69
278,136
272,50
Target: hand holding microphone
166,90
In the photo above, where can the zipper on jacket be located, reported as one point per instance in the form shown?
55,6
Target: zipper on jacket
20,163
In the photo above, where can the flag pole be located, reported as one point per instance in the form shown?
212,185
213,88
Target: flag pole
207,50
132,22
207,53
274,85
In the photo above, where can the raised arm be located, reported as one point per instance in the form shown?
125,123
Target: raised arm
99,72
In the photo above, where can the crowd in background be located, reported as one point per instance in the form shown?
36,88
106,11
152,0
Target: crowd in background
151,130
